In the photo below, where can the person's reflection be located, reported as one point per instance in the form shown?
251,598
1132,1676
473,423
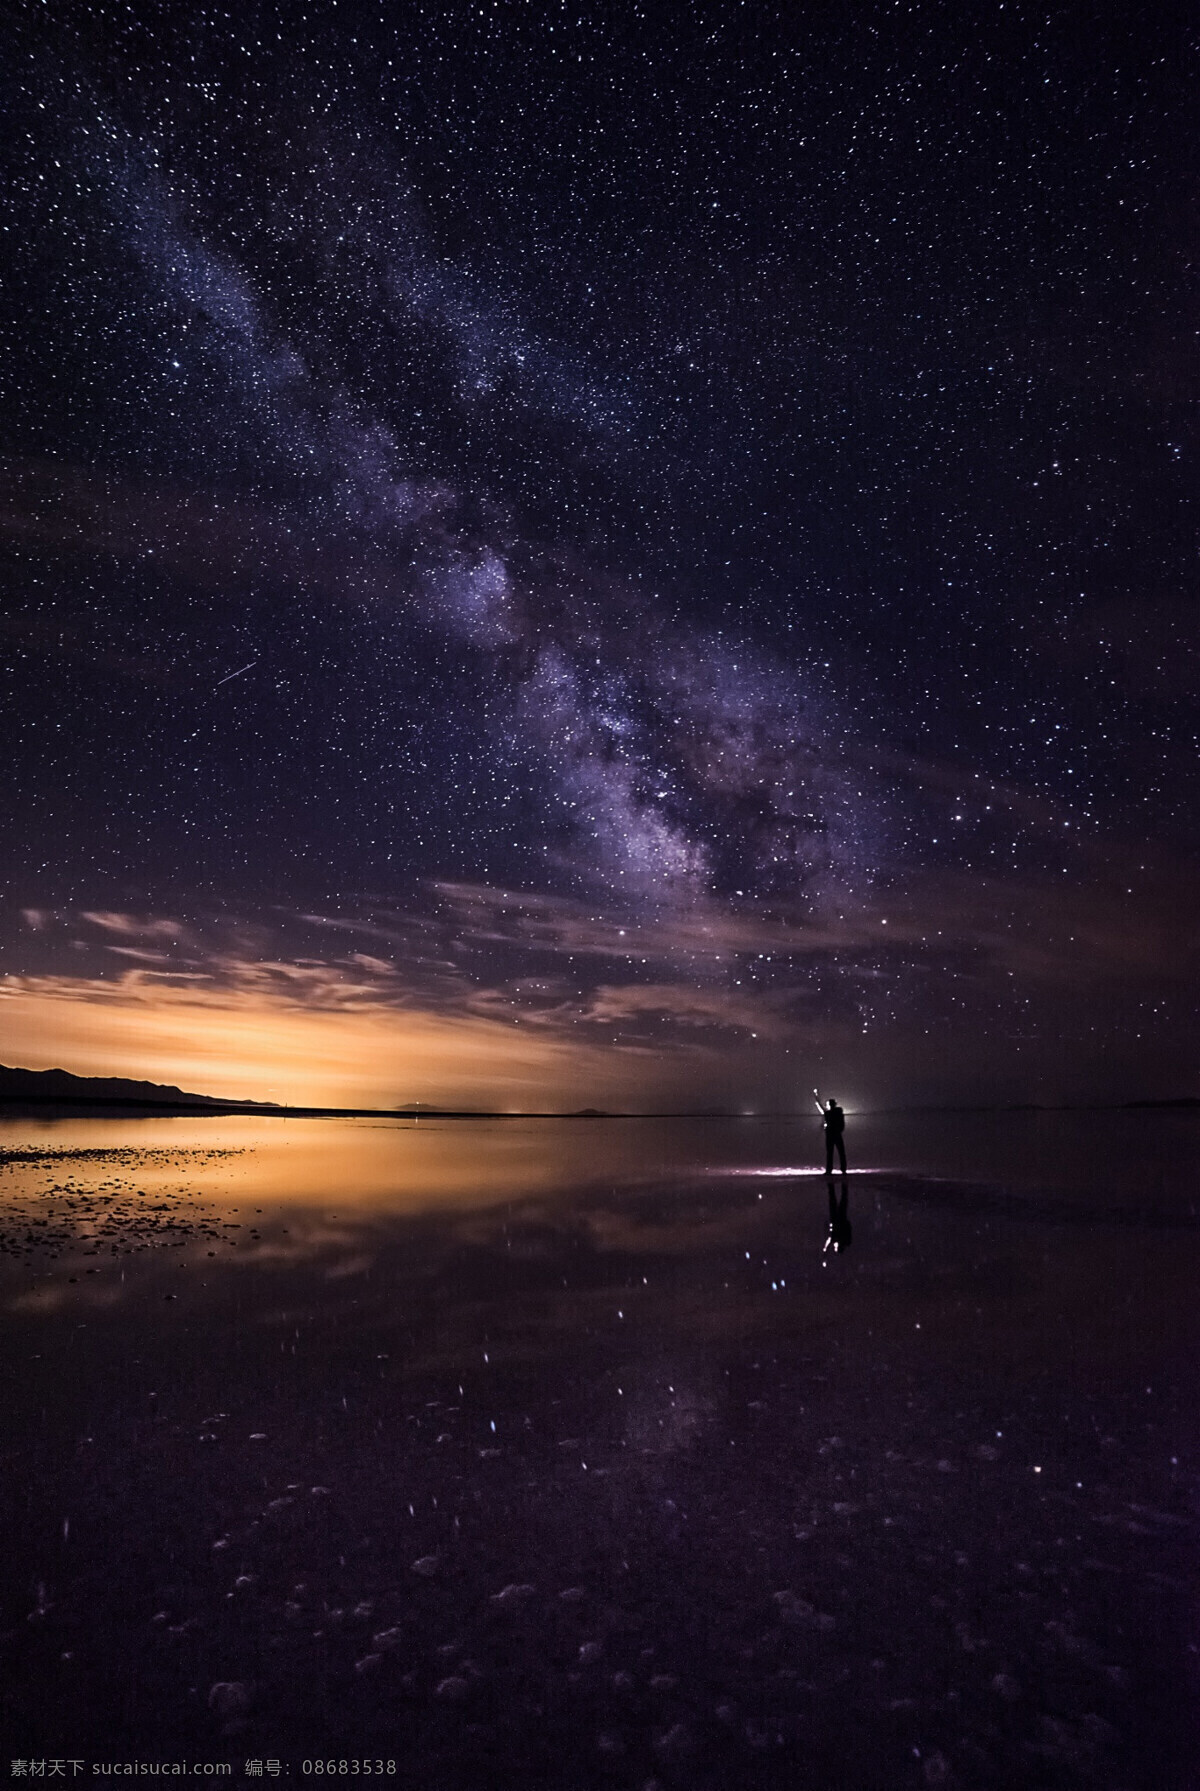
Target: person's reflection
841,1235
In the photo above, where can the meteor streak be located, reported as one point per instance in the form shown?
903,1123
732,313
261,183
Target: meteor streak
237,674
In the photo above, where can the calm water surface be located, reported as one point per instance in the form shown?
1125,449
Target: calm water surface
381,1163
554,1453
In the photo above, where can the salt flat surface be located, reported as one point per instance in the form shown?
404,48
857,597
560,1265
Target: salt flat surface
563,1455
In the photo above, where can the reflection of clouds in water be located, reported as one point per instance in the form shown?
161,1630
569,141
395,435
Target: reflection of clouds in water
331,1179
348,1266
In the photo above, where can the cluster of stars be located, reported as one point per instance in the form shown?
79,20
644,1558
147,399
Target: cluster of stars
667,464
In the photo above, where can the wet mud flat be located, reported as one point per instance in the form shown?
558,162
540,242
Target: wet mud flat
616,1487
76,1205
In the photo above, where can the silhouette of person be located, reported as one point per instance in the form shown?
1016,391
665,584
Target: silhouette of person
841,1235
834,1120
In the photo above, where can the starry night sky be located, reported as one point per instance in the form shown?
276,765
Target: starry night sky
628,552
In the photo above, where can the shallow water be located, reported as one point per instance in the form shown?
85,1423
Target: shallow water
571,1453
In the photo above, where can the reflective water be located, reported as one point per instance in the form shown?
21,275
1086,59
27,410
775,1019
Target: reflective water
398,1163
573,1452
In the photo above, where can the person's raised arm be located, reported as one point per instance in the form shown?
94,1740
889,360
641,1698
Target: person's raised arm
820,1107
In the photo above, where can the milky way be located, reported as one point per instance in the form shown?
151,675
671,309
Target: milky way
725,482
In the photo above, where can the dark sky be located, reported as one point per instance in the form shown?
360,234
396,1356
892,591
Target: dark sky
665,534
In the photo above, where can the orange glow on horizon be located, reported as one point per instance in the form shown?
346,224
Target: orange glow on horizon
248,1045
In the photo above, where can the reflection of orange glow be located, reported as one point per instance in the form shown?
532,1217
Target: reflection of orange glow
363,1166
250,1044
354,1166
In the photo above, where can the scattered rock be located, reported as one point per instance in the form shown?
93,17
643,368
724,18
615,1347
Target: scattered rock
229,1698
590,1652
799,1611
676,1744
453,1689
513,1595
427,1566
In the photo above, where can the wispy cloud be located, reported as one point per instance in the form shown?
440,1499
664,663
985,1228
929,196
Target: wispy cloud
133,926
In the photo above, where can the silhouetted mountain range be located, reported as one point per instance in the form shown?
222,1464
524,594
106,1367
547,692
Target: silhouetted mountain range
61,1086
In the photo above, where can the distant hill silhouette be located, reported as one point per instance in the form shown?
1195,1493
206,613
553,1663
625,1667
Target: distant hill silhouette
62,1086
